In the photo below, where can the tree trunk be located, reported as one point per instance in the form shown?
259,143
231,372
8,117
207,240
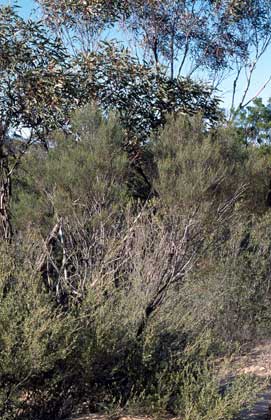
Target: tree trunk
172,55
5,190
5,195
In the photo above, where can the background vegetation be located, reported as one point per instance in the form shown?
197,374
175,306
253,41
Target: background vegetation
135,223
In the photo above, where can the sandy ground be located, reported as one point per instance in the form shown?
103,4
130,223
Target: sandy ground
257,362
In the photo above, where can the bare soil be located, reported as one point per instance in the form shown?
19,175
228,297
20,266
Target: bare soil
257,362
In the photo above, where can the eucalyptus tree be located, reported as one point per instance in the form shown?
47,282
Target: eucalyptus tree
81,23
193,35
115,76
120,81
200,38
41,83
143,99
39,87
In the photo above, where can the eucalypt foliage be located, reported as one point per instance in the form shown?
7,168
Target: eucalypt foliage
143,98
39,87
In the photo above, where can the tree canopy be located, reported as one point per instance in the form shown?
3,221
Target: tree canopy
181,36
142,98
38,84
39,88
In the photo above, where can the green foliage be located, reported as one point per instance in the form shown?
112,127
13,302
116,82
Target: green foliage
51,360
87,172
142,98
228,293
201,400
203,166
136,301
32,63
254,123
219,185
96,11
109,302
36,340
205,34
39,88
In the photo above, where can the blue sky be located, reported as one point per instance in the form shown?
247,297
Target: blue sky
26,6
260,76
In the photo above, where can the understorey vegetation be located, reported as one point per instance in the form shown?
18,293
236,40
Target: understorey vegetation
134,219
115,303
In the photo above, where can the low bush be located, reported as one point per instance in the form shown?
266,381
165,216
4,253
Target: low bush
111,303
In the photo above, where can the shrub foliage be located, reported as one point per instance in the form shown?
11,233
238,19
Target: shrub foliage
110,302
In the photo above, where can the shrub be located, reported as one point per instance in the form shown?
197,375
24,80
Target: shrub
133,299
36,342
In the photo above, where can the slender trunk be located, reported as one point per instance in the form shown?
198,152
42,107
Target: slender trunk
5,195
172,56
156,57
5,192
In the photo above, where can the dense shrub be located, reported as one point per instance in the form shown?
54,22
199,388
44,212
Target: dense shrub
110,302
83,175
37,343
53,361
